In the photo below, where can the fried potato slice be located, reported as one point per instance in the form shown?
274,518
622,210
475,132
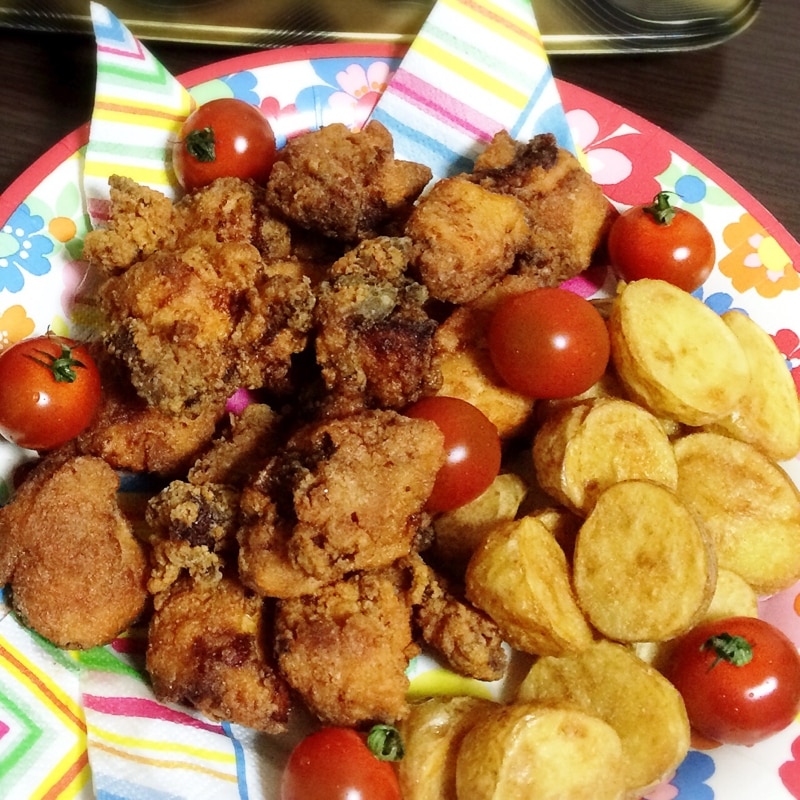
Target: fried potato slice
610,682
643,567
520,577
528,750
749,505
460,531
582,450
768,413
432,733
674,354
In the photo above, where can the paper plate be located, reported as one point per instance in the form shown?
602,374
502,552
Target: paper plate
85,724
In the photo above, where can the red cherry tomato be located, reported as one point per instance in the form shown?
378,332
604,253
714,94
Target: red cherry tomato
49,391
337,764
739,678
472,445
661,241
223,138
548,343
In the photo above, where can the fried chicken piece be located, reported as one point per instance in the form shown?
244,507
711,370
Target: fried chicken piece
467,638
193,529
468,372
345,649
566,210
342,495
130,435
77,572
141,222
207,647
344,184
193,326
374,338
244,445
465,238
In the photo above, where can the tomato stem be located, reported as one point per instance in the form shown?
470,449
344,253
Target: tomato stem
62,367
735,650
385,743
661,209
200,144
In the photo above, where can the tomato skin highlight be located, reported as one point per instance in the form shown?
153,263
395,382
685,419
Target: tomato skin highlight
37,411
233,135
548,343
336,764
737,704
472,445
680,251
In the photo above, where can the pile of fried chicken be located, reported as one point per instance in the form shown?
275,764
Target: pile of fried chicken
285,555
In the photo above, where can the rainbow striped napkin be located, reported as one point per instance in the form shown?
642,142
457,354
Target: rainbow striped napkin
476,67
138,110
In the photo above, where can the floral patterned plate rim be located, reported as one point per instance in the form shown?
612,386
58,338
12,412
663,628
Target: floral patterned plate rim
42,223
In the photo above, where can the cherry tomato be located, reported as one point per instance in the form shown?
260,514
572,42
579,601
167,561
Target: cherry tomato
548,343
49,391
739,678
337,764
472,445
661,241
223,138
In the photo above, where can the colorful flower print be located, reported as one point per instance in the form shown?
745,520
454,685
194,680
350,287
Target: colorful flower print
756,260
623,161
24,245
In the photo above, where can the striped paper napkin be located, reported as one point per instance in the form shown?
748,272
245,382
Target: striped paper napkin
476,67
138,110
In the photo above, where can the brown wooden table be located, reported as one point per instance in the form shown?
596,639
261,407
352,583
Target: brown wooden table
738,103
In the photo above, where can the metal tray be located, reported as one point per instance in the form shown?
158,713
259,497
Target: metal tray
567,26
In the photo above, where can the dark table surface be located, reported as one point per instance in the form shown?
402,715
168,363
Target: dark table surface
738,103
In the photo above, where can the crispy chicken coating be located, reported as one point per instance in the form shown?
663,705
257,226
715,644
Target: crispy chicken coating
566,210
345,649
194,530
469,640
195,325
374,338
245,443
465,238
131,435
207,647
76,570
344,184
345,494
143,221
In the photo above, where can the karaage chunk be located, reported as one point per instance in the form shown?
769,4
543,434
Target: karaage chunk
566,210
242,446
374,338
207,648
468,639
141,221
193,326
465,238
131,435
77,572
342,495
344,184
193,529
345,648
